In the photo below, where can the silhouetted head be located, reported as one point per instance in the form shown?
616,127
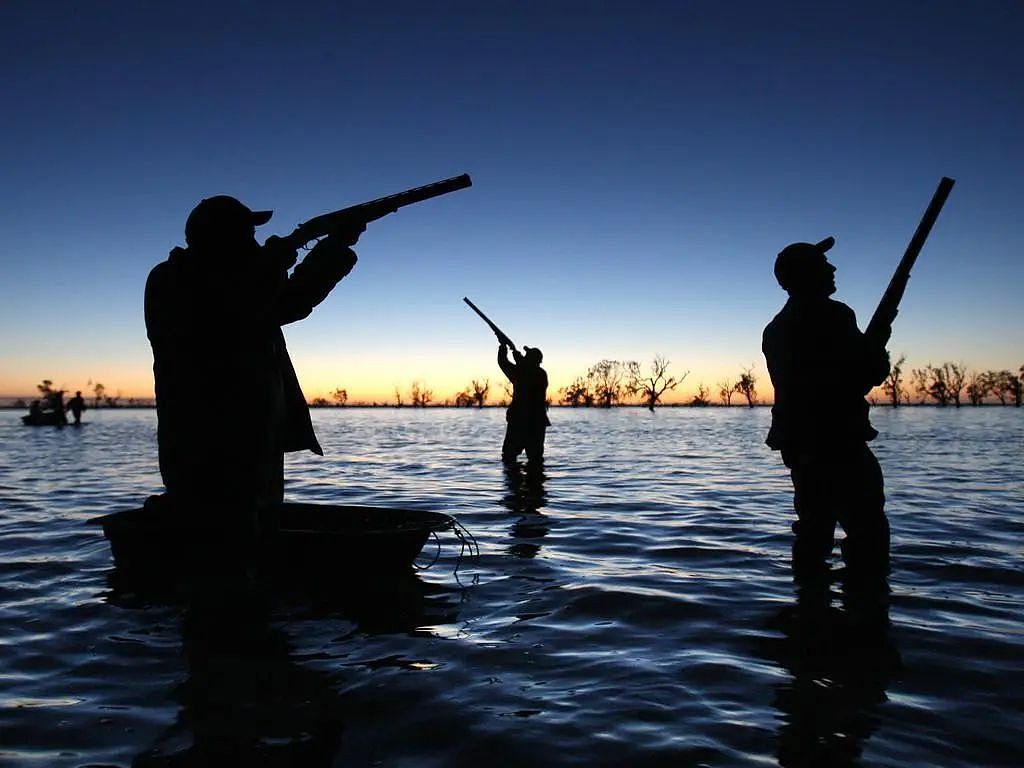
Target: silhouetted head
802,269
533,355
223,222
78,393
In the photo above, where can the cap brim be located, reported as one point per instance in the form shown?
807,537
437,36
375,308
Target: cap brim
825,244
261,217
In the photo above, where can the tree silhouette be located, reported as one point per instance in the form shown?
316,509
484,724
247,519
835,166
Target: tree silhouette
479,391
933,382
606,381
701,398
893,384
652,385
98,391
977,388
464,399
746,386
398,398
577,393
956,375
318,402
726,389
1004,384
419,395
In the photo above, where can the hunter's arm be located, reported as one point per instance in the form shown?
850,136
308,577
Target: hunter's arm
312,279
506,365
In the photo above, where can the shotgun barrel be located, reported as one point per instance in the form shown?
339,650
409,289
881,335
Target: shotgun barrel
502,337
363,213
880,327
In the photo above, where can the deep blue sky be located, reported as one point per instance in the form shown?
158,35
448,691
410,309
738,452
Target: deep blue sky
636,168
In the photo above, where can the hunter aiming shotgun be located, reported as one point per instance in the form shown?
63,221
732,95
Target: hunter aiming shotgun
325,224
880,328
497,331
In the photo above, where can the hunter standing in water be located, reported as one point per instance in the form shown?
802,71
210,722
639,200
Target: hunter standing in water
527,414
822,367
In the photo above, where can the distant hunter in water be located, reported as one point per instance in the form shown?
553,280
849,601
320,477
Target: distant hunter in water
822,367
214,312
527,414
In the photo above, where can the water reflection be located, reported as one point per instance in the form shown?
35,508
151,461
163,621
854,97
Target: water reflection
841,660
524,498
247,700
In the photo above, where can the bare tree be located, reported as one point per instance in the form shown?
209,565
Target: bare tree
464,399
98,391
977,387
419,395
893,384
930,381
746,386
577,393
726,389
479,391
606,381
701,398
653,385
955,375
340,396
1004,384
318,402
398,398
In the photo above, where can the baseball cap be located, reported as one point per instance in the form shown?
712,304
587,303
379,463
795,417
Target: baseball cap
794,259
219,212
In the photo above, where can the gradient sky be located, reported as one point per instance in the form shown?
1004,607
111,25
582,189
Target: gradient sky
636,168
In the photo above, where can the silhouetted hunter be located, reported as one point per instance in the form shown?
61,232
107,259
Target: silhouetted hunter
814,343
823,435
228,401
76,405
526,417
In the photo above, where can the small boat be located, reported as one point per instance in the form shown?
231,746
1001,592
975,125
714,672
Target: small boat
44,419
306,540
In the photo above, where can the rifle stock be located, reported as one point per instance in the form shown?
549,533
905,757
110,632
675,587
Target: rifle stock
363,213
497,331
880,327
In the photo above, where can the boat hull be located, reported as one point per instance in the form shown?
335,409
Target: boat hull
304,541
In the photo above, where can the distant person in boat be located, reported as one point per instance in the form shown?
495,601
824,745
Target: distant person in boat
822,367
76,405
526,417
35,411
214,312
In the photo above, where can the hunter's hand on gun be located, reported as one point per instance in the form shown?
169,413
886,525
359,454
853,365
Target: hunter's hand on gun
280,252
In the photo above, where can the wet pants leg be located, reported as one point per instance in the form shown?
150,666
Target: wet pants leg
841,485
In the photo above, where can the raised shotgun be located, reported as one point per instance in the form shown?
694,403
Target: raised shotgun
880,328
497,331
363,213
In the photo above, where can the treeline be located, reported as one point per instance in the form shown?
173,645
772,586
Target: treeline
950,383
614,382
49,396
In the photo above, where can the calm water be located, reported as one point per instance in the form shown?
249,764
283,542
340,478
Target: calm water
636,609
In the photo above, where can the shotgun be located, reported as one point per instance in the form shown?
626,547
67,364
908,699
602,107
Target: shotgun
497,331
356,216
880,328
